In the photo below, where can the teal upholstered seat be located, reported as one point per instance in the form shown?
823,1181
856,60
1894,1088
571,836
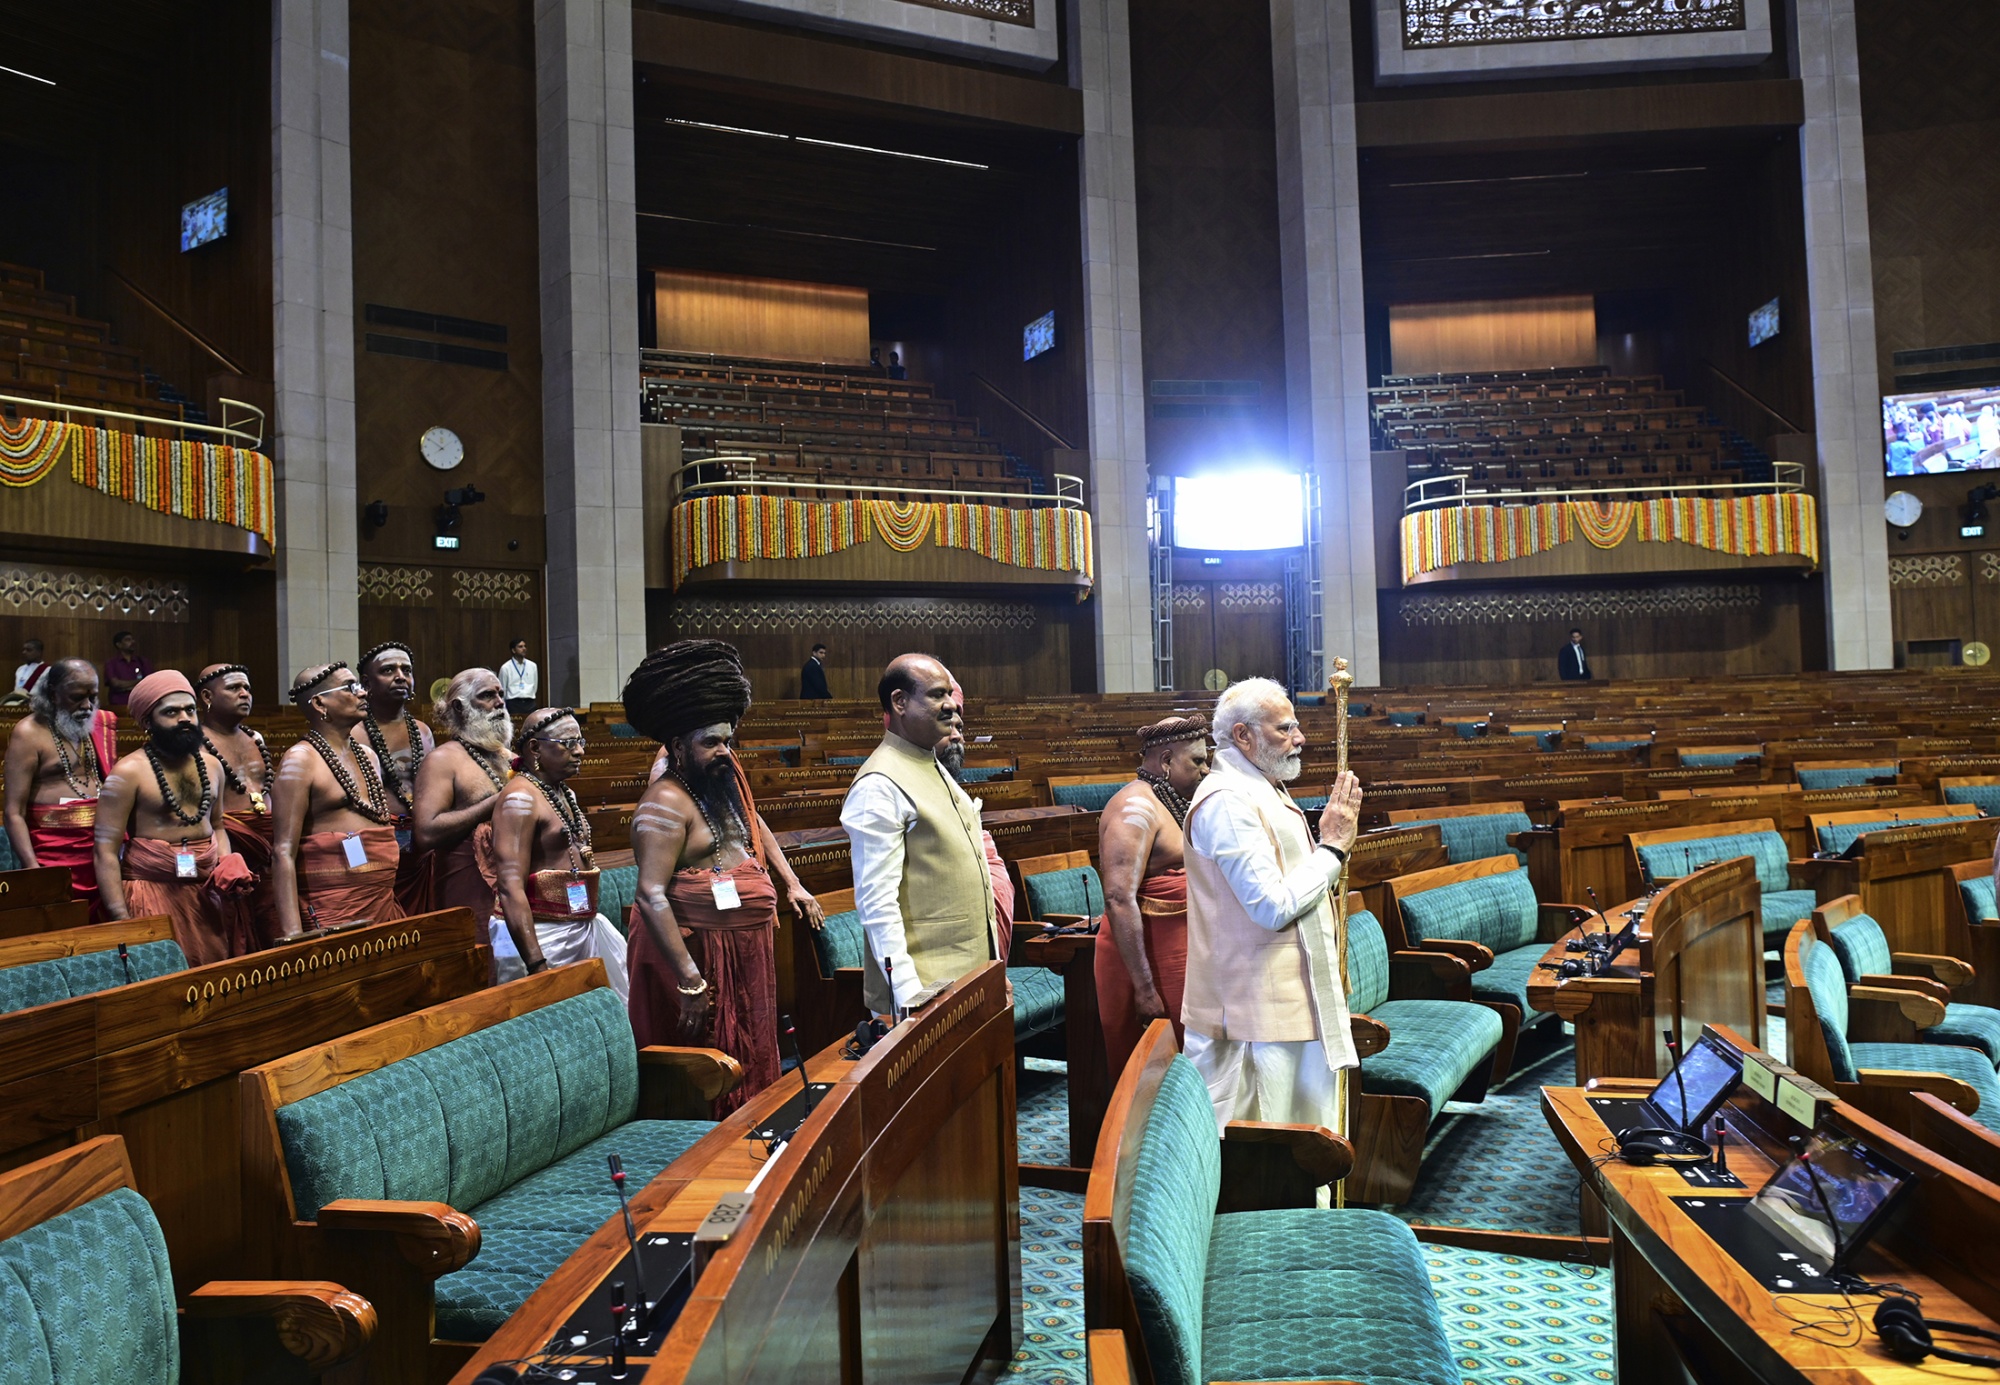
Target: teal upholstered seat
1863,950
1843,778
1978,896
847,760
1498,911
839,943
86,973
1406,718
511,1124
616,889
1781,906
1985,797
88,1296
624,731
1617,745
1090,797
1840,836
1357,709
1709,759
1038,992
1468,730
1434,1045
1475,837
8,860
1827,985
1309,803
1278,1295
1076,890
980,774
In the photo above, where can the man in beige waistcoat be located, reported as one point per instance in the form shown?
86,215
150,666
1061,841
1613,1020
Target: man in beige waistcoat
1265,1006
920,879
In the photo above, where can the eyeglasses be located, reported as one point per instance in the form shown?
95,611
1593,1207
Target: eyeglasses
566,742
350,686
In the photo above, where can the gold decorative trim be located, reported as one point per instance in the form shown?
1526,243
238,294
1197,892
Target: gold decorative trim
480,588
1930,570
712,616
1572,603
1455,23
381,584
1250,596
92,594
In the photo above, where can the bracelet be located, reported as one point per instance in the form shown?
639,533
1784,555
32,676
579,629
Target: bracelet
691,992
540,964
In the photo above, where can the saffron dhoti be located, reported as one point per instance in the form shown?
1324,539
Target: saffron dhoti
331,891
65,834
736,952
209,925
566,933
250,838
464,878
1163,933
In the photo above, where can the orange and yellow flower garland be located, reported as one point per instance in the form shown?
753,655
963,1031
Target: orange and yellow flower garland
1750,525
195,480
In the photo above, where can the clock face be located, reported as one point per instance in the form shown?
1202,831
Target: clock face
441,448
1902,509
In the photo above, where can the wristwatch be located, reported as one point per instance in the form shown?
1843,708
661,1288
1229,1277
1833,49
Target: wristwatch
1338,854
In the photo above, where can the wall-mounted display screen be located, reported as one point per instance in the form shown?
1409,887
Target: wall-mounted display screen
1039,336
205,219
1764,323
1240,510
1950,430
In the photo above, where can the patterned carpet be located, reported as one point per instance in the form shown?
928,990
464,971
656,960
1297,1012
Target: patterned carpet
1513,1321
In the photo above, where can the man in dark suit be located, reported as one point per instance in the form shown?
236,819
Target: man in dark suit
812,678
1572,663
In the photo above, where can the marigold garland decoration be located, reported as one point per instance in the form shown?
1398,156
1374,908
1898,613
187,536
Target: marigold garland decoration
195,480
1746,526
733,528
30,449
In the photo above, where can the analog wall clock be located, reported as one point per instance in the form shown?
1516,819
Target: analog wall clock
1902,509
441,448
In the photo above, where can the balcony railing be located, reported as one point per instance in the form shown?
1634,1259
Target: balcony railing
1440,492
243,430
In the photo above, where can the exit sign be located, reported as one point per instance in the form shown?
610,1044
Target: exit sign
446,540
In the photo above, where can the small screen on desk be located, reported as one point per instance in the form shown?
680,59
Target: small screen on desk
1855,1181
1707,1073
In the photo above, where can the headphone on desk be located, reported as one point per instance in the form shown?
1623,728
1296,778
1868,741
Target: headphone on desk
1652,1145
1906,1333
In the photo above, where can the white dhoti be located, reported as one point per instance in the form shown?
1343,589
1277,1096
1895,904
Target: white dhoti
1286,1083
563,942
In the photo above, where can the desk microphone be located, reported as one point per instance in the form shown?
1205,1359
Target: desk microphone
631,1235
125,961
1832,1222
1679,1082
618,1318
791,1035
1602,921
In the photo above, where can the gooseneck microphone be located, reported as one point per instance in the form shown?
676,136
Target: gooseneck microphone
790,1034
1832,1222
125,961
631,1234
1680,1083
1604,923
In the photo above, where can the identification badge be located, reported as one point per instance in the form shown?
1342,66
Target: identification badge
579,897
184,867
355,850
725,894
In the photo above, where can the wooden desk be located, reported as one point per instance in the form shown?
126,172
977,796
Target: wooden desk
157,1061
1904,877
34,901
1588,847
883,1246
1686,1309
1699,962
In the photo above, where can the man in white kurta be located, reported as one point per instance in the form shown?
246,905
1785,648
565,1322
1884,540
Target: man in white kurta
1265,1006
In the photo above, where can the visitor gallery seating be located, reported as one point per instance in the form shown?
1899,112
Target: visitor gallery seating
1210,1257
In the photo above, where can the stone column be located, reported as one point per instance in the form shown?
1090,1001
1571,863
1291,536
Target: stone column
591,478
1326,358
312,290
1847,408
1100,41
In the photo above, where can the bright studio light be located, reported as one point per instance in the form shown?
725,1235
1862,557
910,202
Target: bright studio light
1239,509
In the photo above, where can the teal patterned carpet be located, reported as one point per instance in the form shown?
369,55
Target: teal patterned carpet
1513,1321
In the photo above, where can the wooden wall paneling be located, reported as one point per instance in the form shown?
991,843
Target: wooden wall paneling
1194,633
736,315
1249,623
454,618
1499,334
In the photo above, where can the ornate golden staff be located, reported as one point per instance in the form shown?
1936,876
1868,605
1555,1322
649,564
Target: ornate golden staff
1341,682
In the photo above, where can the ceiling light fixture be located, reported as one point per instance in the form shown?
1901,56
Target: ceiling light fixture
29,75
828,143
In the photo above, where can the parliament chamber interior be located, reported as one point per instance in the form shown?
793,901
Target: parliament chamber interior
1130,691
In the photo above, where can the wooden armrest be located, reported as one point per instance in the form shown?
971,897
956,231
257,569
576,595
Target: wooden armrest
1950,972
1841,876
680,1083
1418,975
321,1324
1266,1165
433,1236
1920,985
1370,1036
1025,932
1476,956
1063,920
1949,1090
1110,1361
1878,1014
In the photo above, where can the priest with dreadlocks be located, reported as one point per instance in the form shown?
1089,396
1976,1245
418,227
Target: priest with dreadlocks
1141,973
542,861
333,850
702,931
400,742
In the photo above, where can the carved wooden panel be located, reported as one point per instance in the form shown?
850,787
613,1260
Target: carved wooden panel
1448,23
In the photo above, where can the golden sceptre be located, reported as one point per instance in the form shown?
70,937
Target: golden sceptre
1339,685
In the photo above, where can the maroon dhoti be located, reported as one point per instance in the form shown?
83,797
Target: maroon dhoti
415,887
1163,930
464,877
209,926
65,834
330,891
736,952
250,838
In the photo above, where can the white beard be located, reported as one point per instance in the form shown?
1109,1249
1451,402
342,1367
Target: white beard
1277,763
74,726
490,732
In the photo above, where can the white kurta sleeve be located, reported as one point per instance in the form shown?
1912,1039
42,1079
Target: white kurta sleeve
876,816
1228,832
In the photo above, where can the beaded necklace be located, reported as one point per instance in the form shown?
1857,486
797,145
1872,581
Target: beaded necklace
392,776
714,832
89,752
479,758
171,799
374,809
259,797
1169,798
575,826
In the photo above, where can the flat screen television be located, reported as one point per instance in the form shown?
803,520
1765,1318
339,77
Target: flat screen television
1947,430
1039,336
1764,323
205,219
1239,510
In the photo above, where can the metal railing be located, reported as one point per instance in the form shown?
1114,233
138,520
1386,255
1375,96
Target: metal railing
239,432
1068,493
1438,492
